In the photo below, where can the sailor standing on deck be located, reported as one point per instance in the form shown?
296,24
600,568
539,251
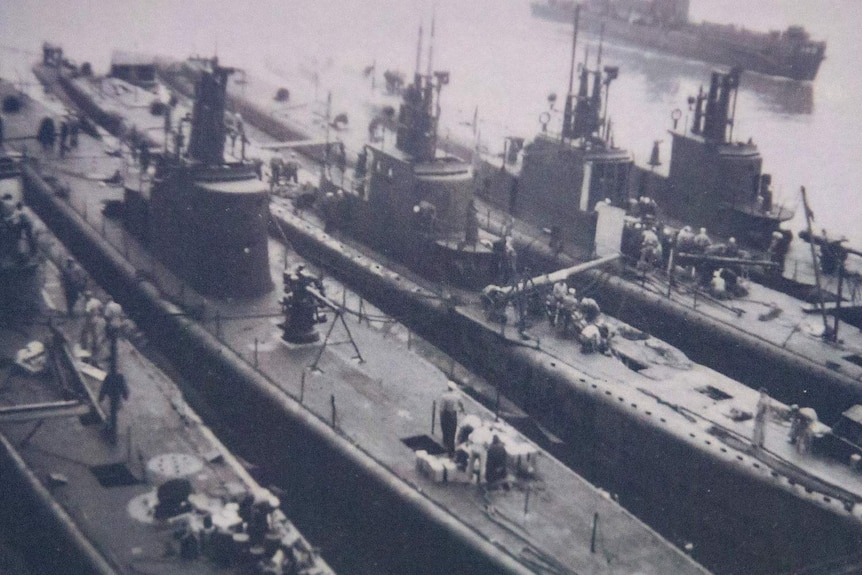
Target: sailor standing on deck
760,417
113,318
74,282
495,463
450,405
92,333
115,389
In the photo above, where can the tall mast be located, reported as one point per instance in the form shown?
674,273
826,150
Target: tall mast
601,42
574,47
430,70
419,50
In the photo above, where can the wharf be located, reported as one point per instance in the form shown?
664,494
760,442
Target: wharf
365,410
82,504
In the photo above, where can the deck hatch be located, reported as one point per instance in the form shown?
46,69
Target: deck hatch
714,393
114,475
424,443
854,358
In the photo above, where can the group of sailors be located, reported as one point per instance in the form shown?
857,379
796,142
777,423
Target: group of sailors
281,171
582,316
651,247
68,134
805,427
475,446
103,320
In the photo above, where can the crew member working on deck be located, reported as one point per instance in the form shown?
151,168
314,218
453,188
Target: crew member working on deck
685,240
450,405
495,463
702,241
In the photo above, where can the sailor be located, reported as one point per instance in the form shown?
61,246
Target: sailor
74,282
685,240
731,250
570,308
466,427
115,389
732,284
291,169
761,415
717,285
702,241
450,405
510,258
796,424
274,172
22,227
650,250
113,315
591,339
554,301
590,309
495,462
778,248
560,290
647,207
91,338
807,429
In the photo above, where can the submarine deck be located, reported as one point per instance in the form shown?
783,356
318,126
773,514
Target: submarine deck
109,490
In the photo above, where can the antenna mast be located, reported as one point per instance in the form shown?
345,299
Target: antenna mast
574,46
419,50
430,69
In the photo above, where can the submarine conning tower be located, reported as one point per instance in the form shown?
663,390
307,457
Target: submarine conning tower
709,174
413,187
207,218
564,175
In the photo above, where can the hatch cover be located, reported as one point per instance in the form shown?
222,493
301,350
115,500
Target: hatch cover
424,443
114,475
174,465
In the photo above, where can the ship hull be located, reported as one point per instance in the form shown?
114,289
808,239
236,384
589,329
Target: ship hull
692,42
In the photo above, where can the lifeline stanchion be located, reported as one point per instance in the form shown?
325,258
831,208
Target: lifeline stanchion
433,415
302,387
332,402
255,353
595,530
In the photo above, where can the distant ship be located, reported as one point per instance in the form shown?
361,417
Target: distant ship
663,25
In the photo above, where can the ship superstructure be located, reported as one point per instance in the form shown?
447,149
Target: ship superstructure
205,218
414,201
717,182
663,25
